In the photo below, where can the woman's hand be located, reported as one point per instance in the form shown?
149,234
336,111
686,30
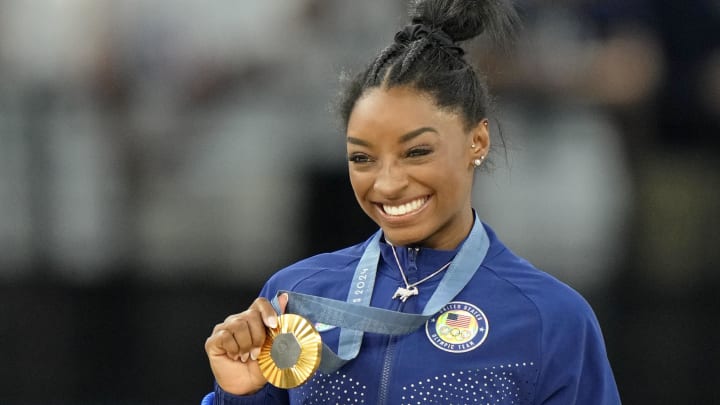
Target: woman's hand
234,346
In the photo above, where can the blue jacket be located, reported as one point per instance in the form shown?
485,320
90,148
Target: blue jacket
514,335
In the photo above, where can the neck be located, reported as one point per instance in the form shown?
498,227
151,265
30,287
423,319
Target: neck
450,240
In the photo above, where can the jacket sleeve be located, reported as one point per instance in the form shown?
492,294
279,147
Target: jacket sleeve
267,395
575,368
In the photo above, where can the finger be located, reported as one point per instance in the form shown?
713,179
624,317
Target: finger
282,301
258,333
224,324
221,342
240,330
227,340
266,311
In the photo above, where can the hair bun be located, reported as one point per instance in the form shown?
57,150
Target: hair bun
465,19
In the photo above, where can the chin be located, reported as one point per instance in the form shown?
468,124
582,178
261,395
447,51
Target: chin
404,237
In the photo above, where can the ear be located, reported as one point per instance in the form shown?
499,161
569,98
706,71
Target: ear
480,140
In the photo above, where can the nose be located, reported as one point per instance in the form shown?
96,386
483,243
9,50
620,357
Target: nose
391,180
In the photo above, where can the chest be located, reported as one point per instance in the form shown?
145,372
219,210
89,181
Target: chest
482,347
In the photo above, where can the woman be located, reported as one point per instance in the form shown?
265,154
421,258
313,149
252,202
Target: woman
417,130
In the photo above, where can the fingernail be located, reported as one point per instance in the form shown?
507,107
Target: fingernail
254,353
271,321
244,357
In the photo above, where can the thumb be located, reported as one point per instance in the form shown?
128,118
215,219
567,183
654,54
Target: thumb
282,301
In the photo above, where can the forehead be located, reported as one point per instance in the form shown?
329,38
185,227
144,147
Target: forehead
398,110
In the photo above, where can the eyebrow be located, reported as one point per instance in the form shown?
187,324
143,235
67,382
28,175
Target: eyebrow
403,139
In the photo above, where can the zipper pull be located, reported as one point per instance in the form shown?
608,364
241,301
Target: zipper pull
413,254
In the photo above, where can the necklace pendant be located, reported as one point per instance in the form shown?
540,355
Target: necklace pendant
405,293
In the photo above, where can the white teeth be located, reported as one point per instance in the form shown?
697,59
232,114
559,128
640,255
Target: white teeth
405,208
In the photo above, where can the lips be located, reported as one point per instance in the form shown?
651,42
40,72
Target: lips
404,209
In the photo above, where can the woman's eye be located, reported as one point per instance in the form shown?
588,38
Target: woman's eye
416,152
359,158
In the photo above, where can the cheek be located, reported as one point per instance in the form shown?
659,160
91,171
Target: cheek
360,184
450,183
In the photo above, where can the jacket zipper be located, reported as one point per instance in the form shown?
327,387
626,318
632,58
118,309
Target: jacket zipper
390,349
387,368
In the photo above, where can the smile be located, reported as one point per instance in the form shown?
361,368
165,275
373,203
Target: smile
404,209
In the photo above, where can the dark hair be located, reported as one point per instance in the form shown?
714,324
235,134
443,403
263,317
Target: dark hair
426,56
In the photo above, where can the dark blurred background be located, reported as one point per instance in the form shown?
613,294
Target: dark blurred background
159,159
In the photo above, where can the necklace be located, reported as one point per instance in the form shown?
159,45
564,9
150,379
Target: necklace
411,289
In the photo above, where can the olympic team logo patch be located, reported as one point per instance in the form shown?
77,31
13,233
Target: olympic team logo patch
458,327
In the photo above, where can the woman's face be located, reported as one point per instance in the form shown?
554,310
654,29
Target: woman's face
411,166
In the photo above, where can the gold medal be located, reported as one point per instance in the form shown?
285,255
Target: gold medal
291,352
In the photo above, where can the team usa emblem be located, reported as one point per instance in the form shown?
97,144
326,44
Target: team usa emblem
458,327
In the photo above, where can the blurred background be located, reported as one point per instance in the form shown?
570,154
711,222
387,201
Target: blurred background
159,159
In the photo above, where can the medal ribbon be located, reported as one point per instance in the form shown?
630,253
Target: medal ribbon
356,316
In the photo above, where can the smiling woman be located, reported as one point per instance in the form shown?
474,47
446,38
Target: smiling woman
411,166
409,311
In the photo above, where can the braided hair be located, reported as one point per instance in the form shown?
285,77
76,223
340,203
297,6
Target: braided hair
426,56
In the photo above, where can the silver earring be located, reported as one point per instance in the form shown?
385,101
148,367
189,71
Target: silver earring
478,162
